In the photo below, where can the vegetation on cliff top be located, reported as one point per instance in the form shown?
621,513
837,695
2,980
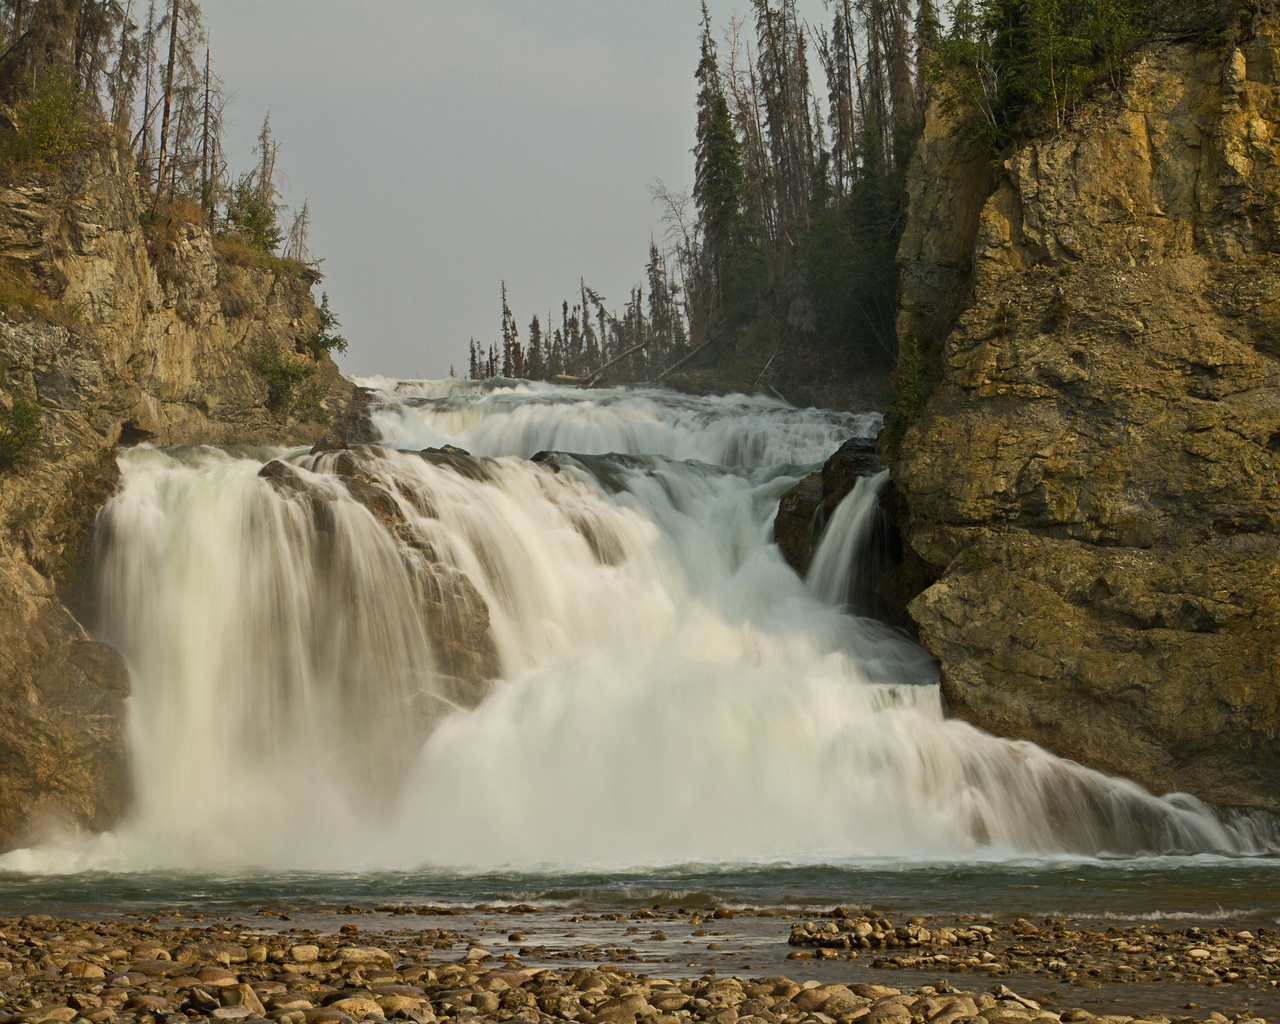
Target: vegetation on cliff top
77,72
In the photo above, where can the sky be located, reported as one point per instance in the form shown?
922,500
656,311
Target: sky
445,146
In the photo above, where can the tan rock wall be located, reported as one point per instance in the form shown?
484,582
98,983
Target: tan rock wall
1097,470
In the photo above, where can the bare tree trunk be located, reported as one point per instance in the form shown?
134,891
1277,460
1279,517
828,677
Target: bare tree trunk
168,95
206,186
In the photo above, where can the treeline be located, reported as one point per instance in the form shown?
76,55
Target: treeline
787,243
796,195
587,340
144,69
791,226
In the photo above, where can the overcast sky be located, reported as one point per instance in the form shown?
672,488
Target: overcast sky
447,145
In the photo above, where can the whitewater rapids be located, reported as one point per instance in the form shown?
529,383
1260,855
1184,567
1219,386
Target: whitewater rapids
668,690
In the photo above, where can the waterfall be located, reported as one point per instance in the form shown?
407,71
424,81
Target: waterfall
386,659
833,573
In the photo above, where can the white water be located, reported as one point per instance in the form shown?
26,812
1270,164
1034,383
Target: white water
521,418
669,690
831,574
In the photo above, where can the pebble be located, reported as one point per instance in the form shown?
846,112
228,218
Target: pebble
77,972
1138,953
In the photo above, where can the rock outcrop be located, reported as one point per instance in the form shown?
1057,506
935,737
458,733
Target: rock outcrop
138,337
1096,475
453,612
803,511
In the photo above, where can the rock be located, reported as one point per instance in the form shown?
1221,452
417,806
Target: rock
364,955
357,1008
305,953
803,510
218,976
1096,469
241,995
391,1005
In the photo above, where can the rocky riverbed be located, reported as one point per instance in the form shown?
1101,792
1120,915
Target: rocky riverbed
524,965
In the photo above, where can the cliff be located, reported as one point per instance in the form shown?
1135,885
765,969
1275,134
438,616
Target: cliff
1094,477
120,335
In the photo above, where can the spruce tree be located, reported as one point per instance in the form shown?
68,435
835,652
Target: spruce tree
718,182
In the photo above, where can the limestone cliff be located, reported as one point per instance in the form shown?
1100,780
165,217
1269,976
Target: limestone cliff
1096,476
138,337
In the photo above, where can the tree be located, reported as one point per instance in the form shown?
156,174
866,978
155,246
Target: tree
535,361
718,185
168,94
295,243
326,339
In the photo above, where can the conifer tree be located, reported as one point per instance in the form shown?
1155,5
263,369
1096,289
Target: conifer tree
718,182
535,362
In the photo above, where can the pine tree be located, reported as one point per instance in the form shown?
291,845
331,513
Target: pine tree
718,182
535,362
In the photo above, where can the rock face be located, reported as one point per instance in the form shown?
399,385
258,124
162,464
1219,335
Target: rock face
1097,474
154,338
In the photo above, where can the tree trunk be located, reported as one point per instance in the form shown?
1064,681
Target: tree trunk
168,96
206,185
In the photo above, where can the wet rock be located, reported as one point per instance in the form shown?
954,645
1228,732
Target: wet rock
803,511
241,995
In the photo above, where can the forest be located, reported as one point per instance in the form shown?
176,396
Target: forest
785,247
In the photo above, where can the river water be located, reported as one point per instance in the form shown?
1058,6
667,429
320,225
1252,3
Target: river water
678,718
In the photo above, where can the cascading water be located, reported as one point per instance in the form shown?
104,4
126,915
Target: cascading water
831,575
666,689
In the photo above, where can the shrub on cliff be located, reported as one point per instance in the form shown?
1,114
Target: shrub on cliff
20,432
51,125
1021,65
292,386
325,340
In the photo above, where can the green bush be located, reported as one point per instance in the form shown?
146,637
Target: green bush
284,378
20,432
253,216
325,340
51,125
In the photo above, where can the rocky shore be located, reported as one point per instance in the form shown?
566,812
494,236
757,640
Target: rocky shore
167,969
1070,951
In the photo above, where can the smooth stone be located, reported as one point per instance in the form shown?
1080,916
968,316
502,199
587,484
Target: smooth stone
356,1007
363,955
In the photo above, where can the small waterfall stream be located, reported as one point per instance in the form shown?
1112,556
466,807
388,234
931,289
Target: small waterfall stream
665,689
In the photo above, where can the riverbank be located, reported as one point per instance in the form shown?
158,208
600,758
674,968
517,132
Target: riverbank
664,965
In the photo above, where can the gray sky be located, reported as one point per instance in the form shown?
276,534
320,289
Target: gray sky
446,145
